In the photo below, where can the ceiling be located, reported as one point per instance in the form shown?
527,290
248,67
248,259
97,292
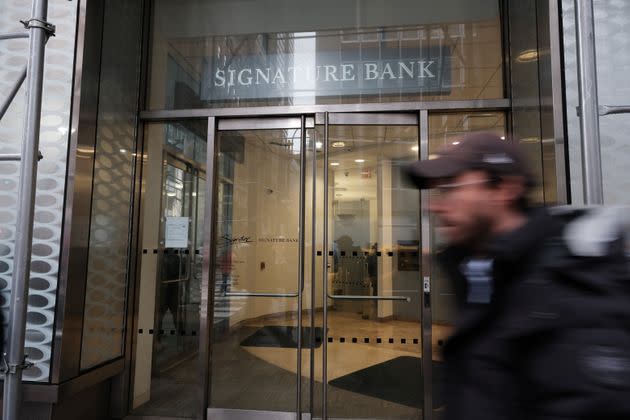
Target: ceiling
355,151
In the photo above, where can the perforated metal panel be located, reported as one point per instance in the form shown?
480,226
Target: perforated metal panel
51,174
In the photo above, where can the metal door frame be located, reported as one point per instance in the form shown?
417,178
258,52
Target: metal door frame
213,116
304,122
301,122
420,119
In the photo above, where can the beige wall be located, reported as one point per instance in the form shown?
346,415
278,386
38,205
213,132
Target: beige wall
266,203
266,207
152,188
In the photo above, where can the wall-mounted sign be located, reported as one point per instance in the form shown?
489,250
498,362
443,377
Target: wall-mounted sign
377,71
176,232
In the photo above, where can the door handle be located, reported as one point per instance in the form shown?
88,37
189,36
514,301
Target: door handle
363,297
253,294
609,109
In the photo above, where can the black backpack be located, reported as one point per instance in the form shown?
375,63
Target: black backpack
581,367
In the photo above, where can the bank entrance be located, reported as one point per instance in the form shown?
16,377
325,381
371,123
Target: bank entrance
312,287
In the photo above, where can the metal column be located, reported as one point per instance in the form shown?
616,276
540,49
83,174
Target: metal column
301,255
426,248
589,118
325,276
39,31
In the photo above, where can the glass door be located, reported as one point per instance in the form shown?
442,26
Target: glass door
372,306
257,338
178,298
318,296
169,296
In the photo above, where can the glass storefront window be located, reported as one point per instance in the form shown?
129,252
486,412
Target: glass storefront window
446,129
169,285
111,205
234,54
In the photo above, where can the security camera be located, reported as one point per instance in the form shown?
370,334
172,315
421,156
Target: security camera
346,173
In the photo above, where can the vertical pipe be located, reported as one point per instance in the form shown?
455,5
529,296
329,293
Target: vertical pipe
301,246
560,146
325,277
425,244
589,117
206,308
24,227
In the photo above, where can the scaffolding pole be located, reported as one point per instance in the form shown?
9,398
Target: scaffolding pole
589,112
39,31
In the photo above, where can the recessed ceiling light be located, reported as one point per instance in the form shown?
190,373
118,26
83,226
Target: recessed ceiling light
359,160
455,143
123,151
414,148
527,56
502,137
318,144
338,144
334,163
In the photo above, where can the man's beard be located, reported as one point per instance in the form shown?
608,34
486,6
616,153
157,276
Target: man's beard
480,233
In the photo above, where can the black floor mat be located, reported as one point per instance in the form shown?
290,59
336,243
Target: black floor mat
398,380
283,336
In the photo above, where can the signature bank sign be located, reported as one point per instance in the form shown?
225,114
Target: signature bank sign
299,74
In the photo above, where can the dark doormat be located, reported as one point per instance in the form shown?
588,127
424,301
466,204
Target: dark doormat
283,336
398,380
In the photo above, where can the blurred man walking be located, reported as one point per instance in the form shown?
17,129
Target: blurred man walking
543,325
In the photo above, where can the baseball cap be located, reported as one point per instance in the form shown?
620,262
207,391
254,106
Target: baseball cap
477,151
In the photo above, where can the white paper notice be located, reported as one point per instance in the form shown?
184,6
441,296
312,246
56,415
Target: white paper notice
176,232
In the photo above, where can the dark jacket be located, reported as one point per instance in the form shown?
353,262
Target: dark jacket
548,337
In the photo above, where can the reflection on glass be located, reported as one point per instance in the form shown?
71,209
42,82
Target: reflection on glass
374,364
446,130
106,291
297,53
254,356
179,297
165,381
187,139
